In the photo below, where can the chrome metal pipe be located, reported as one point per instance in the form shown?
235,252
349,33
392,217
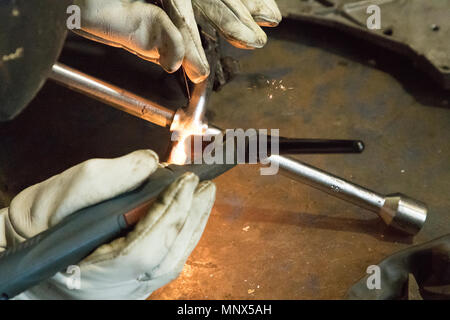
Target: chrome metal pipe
396,210
112,95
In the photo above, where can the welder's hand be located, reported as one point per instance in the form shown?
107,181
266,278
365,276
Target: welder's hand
129,267
171,39
239,20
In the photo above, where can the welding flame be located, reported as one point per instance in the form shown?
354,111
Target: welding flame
182,129
178,154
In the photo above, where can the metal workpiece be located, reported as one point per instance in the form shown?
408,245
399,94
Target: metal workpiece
112,95
196,108
193,115
396,210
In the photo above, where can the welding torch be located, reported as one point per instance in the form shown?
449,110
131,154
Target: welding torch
75,237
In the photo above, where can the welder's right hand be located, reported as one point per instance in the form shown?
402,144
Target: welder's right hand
130,267
171,37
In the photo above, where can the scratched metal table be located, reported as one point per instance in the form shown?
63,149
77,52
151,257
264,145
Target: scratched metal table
268,237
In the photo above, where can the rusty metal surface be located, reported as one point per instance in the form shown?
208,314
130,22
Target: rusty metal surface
419,29
268,237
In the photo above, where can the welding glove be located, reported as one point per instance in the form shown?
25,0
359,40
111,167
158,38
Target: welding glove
172,39
429,263
129,267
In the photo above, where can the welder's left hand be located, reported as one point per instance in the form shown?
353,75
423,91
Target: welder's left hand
129,267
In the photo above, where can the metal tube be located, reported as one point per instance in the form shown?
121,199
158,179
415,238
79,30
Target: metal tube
396,210
327,182
112,95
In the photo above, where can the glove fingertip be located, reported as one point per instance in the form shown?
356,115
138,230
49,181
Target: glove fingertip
169,67
206,189
246,38
264,21
265,13
145,159
181,189
196,73
170,59
204,197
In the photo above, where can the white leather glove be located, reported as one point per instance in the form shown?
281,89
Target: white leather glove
130,267
171,39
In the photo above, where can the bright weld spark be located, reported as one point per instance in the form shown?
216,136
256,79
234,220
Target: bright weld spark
184,130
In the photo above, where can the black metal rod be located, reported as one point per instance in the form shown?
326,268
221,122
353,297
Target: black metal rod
312,146
285,146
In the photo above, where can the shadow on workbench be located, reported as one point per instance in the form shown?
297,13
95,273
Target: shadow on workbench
373,227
